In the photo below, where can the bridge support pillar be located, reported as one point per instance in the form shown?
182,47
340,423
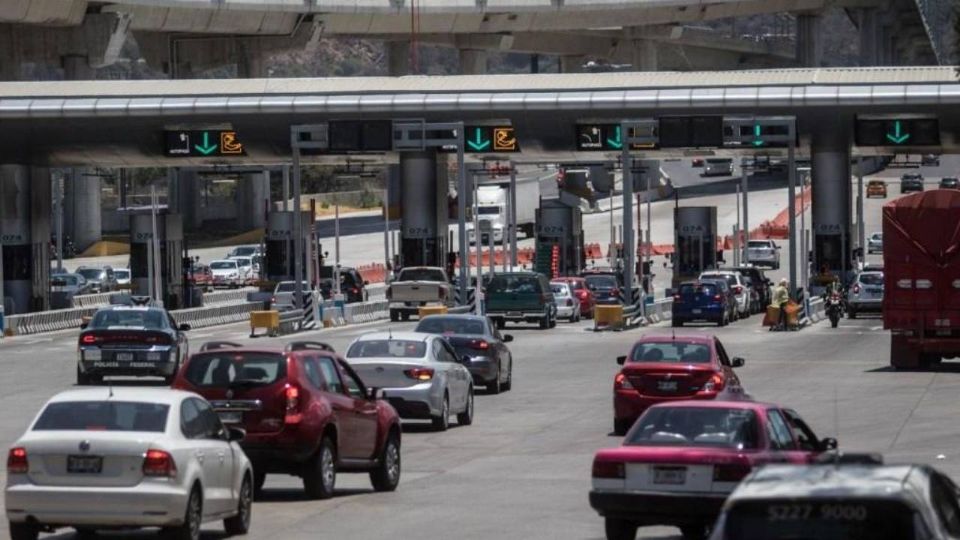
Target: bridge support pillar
25,201
870,34
809,40
473,62
184,197
82,221
571,64
398,58
831,187
250,60
423,225
252,200
645,56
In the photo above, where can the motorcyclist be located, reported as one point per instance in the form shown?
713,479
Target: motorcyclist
779,299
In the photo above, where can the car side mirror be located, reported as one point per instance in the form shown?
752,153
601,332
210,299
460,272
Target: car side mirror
184,327
507,338
235,434
621,360
375,393
365,283
83,326
828,444
736,361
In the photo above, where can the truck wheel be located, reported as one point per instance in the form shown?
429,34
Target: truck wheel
902,355
501,324
676,323
405,317
851,313
394,315
545,322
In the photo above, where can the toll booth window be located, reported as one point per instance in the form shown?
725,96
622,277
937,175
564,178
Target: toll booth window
828,251
16,262
138,260
488,210
278,263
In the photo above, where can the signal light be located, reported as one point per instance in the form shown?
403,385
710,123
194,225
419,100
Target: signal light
609,469
419,374
292,415
17,461
159,463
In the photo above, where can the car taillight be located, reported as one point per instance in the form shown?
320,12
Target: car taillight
479,344
715,384
856,289
717,297
419,374
159,463
355,290
609,469
90,339
615,291
17,461
273,299
581,294
677,298
292,412
737,289
730,472
620,382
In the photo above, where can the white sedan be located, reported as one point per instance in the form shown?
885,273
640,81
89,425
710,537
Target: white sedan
103,458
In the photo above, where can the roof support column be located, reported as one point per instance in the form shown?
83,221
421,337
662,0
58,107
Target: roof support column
572,64
809,40
250,60
831,193
473,62
869,30
645,56
398,58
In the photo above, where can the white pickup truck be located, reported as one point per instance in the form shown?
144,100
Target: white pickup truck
417,286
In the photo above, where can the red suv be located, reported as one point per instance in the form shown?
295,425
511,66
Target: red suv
666,368
305,412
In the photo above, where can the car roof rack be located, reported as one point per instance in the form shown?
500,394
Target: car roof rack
215,345
309,346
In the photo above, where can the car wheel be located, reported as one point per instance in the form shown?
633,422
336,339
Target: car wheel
386,477
621,426
620,529
694,532
493,387
553,321
320,477
239,524
545,322
259,479
509,384
852,313
405,317
192,519
23,531
501,324
442,422
466,417
394,316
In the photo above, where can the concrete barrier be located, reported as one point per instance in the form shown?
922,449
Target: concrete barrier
233,296
215,315
92,300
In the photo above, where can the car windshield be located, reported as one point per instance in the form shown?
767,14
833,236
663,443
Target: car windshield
488,210
420,274
601,282
90,273
670,352
122,274
514,284
223,265
707,289
243,261
719,161
222,369
758,244
560,289
243,251
379,348
103,416
285,286
851,518
451,325
871,279
147,319
717,427
64,280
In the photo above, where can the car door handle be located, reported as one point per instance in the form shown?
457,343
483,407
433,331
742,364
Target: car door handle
199,455
222,456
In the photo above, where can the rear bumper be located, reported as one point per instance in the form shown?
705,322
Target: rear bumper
712,313
517,316
658,508
566,311
418,402
628,405
482,369
156,361
145,505
865,305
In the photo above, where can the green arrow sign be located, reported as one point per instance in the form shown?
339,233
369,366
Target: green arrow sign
207,148
757,141
897,137
617,141
478,144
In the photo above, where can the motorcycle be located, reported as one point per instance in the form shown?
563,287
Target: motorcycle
834,308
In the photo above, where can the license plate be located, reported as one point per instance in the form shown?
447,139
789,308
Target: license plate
697,311
514,314
124,357
669,475
230,417
84,464
667,386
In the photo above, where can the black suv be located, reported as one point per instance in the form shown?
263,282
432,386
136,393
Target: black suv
911,182
352,285
949,182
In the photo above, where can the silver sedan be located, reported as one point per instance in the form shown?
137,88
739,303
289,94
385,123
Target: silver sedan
127,457
420,375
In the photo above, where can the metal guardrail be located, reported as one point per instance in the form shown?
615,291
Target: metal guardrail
366,312
215,315
232,296
92,300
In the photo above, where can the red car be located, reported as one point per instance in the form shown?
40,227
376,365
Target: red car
681,460
587,301
669,368
305,411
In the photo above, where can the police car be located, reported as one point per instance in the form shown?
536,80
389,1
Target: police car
137,339
842,502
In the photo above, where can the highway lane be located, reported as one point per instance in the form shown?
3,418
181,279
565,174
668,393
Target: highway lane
523,469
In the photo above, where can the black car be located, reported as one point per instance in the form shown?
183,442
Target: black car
949,182
131,340
911,182
352,286
480,345
605,286
758,281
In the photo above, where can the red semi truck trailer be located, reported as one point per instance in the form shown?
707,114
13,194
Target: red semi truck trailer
921,260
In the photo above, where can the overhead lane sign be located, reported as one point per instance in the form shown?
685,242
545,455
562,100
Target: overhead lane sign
604,137
896,131
490,139
202,143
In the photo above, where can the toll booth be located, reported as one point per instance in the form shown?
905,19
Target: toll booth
559,248
278,264
695,241
425,210
25,237
170,238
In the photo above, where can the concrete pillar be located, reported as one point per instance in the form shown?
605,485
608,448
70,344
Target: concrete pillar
572,64
252,199
76,67
250,64
869,33
809,41
185,197
423,199
644,55
831,186
473,62
25,201
398,58
82,219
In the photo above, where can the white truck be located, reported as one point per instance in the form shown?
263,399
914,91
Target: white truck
493,206
417,286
